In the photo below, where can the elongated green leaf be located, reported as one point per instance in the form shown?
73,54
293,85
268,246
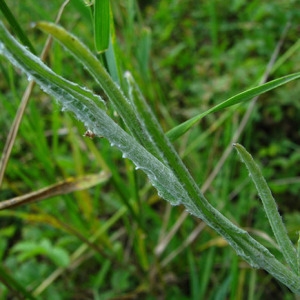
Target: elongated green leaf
101,24
179,130
270,207
111,57
143,52
111,61
15,25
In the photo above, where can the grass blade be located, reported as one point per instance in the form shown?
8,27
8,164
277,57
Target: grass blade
143,52
270,208
179,130
67,186
15,25
101,24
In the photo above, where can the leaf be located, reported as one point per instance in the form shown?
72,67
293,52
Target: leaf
143,52
27,250
179,130
15,25
270,208
67,186
101,24
59,256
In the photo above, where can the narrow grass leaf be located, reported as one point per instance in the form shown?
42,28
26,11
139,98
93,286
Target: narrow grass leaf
15,25
141,249
111,60
65,187
101,24
143,52
179,130
111,56
270,208
206,265
194,276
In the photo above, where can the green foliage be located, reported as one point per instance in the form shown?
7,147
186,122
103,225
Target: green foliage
101,24
27,250
119,239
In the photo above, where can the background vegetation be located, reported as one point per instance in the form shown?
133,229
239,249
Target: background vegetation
118,239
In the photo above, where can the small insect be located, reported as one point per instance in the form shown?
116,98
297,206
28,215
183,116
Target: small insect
89,134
